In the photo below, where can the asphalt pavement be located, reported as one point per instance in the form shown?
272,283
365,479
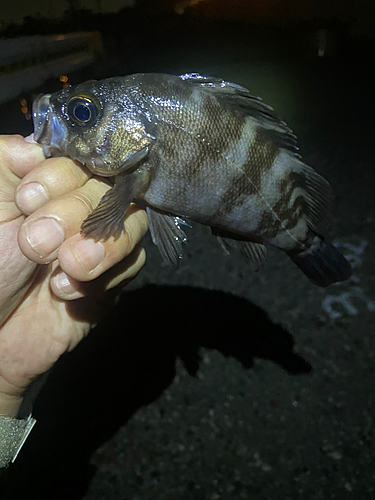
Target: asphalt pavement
212,381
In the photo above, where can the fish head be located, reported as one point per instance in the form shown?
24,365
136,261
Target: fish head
95,123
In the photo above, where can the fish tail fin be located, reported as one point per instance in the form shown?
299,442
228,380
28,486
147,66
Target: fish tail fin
322,263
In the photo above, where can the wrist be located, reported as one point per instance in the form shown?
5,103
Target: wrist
10,404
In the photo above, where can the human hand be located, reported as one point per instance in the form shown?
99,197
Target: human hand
54,284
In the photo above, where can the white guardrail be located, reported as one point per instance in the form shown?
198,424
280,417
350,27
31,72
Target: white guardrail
27,62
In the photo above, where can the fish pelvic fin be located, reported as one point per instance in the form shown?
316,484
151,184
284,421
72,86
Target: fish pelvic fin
167,235
322,263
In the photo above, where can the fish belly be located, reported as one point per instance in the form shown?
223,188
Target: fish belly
245,186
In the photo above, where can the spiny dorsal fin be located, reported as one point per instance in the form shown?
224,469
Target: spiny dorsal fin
240,99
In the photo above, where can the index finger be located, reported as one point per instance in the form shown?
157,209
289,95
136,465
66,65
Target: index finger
51,178
18,155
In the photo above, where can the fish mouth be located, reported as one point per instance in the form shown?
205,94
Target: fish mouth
48,130
99,166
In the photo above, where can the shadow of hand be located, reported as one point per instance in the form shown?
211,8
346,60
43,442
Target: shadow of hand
126,362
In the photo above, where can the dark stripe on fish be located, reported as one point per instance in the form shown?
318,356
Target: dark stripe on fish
270,224
261,155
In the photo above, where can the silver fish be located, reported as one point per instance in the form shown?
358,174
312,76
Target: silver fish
200,148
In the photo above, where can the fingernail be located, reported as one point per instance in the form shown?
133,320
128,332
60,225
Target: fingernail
64,285
31,196
89,253
30,138
44,236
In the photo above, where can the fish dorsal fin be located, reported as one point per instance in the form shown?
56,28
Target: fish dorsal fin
317,195
240,100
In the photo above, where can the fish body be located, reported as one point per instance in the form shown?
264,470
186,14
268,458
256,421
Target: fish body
199,148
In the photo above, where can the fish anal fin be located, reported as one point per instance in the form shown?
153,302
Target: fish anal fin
167,235
254,253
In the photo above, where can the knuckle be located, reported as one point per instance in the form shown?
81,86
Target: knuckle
84,201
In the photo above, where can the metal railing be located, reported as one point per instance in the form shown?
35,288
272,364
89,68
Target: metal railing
27,62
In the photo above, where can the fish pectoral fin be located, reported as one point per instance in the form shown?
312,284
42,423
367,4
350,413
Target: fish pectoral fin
167,235
252,252
108,217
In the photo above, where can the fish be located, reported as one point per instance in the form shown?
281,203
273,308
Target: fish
198,148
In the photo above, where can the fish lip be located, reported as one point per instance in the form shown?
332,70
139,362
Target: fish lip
99,166
48,129
41,106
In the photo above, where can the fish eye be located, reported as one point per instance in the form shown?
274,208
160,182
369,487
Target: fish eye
82,110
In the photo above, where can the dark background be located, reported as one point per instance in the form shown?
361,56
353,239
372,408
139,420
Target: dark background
212,381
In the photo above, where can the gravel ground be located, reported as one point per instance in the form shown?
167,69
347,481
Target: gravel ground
213,382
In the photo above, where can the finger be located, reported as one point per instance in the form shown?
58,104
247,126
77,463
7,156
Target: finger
67,288
84,259
43,232
53,231
18,155
50,179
